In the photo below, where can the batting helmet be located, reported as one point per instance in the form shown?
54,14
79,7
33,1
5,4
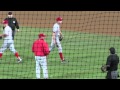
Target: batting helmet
59,19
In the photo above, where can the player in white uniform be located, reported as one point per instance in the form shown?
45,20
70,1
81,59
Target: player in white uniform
8,42
55,38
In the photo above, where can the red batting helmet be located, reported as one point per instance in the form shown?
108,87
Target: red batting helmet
5,22
59,19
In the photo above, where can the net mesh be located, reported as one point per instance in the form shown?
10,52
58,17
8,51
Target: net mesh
88,35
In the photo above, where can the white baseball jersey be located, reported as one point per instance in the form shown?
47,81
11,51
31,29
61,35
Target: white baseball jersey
56,29
8,31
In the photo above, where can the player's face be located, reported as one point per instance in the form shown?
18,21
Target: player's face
43,37
59,22
10,16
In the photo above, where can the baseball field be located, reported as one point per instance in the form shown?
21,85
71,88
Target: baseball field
87,37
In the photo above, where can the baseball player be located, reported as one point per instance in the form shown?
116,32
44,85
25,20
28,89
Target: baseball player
112,65
13,23
8,42
40,49
56,33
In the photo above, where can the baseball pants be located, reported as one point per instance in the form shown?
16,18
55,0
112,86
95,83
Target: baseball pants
112,75
41,62
8,44
58,44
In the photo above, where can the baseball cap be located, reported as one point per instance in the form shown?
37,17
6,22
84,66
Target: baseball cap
5,22
59,19
9,13
41,35
112,50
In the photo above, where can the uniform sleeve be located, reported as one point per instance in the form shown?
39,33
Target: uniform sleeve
118,59
16,23
5,31
108,63
108,60
55,28
46,48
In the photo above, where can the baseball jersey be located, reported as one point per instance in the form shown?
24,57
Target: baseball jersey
56,29
8,31
40,48
113,61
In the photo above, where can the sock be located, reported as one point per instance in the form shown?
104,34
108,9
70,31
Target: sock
1,55
17,55
61,56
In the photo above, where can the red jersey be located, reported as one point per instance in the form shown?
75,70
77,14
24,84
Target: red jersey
40,48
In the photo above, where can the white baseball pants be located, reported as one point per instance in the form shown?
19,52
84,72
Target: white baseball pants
8,44
58,44
41,62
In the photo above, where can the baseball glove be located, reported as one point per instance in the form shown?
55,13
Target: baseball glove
103,68
60,38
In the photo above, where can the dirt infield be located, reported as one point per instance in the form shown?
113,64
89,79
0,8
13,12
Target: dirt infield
85,21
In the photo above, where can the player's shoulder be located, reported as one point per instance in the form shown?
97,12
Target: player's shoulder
45,43
55,25
14,18
7,27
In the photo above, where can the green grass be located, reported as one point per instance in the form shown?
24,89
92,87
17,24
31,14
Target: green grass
86,53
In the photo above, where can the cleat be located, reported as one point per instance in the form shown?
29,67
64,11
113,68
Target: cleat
64,61
19,60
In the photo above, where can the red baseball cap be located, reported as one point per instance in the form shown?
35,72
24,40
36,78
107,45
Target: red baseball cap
5,22
41,35
59,19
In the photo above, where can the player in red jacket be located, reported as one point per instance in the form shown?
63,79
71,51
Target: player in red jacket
40,49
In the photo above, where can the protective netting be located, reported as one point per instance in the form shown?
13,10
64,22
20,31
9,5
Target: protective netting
88,35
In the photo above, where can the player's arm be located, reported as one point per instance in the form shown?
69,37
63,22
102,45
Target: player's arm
118,59
60,33
108,63
53,37
54,33
33,47
46,48
4,34
16,24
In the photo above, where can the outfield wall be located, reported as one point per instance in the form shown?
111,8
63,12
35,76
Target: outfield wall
86,21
